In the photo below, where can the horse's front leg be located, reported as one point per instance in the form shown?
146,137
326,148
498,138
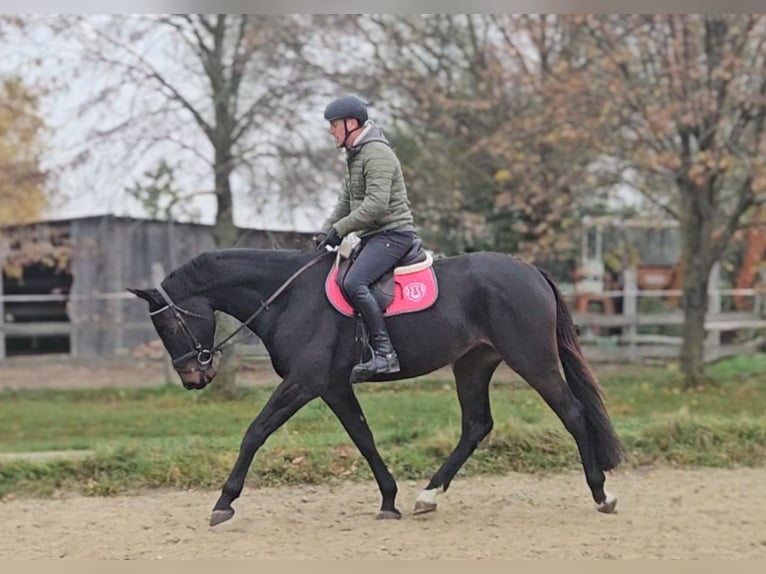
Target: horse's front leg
343,402
286,399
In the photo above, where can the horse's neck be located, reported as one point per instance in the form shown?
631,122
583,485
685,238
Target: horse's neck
249,283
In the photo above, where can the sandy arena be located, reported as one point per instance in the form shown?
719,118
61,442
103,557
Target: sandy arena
662,513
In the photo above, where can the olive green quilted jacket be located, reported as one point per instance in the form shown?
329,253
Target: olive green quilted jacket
374,198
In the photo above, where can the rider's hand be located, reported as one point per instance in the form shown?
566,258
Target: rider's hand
332,239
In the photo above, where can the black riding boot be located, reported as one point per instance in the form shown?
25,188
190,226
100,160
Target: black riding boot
384,359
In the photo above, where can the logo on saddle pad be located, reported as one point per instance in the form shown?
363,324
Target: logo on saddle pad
414,289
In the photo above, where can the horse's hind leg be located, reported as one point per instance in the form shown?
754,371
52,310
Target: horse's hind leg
545,378
473,372
343,402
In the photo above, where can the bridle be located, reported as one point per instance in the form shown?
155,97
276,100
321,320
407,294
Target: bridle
205,356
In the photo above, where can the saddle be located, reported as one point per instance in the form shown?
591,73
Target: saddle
410,286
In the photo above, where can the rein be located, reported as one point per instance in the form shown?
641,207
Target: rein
205,356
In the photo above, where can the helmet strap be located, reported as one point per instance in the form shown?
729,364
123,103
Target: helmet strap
348,132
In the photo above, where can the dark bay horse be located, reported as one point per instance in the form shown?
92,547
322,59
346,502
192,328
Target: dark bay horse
491,308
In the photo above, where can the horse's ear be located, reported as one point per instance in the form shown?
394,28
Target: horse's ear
144,294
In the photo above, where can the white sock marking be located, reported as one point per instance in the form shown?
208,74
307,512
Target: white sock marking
428,496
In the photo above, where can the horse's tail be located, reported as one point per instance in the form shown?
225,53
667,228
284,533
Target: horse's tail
584,386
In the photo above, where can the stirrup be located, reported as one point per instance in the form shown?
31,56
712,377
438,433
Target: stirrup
364,371
392,363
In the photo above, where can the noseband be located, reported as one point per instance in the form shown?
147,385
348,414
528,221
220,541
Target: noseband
205,356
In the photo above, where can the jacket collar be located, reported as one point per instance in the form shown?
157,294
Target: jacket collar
370,133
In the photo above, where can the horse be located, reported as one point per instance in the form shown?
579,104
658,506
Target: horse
491,307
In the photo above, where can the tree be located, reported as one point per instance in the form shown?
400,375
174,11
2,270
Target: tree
22,179
683,113
209,90
494,155
427,77
216,90
547,143
160,195
562,108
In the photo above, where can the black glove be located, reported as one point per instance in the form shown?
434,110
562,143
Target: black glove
332,239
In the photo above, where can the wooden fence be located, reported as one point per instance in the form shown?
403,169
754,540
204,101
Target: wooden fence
623,337
101,255
604,337
69,329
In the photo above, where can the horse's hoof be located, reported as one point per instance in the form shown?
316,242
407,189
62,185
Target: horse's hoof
424,507
609,505
219,516
388,515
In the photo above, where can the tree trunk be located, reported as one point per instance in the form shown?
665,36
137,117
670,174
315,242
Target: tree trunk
224,231
225,235
695,299
225,384
696,230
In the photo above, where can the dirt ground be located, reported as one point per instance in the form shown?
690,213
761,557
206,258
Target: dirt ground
64,372
662,513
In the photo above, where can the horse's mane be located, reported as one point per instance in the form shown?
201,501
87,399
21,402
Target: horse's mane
229,267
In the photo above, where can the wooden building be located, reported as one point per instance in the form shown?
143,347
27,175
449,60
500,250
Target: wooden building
64,281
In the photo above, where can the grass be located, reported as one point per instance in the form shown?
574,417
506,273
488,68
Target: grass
168,437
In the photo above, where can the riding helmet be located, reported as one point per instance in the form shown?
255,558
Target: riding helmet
349,106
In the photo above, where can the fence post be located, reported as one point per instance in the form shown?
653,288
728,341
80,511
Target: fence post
713,337
630,308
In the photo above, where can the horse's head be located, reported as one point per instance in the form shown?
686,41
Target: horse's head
187,329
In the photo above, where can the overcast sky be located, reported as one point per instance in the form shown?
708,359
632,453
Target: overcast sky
98,185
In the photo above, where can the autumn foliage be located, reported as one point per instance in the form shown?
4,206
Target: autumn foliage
22,181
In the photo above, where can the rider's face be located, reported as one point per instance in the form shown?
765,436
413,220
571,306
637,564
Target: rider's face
338,131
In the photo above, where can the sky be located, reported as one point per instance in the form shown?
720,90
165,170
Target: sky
98,185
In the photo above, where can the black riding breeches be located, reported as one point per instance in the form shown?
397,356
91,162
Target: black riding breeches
379,253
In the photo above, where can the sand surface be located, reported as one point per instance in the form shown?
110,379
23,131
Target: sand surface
662,513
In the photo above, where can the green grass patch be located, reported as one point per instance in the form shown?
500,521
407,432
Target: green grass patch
168,437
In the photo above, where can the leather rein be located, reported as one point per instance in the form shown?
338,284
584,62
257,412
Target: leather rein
205,356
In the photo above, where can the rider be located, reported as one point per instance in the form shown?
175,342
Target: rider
373,204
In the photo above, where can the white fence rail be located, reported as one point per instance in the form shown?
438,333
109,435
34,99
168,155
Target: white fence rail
629,344
746,330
